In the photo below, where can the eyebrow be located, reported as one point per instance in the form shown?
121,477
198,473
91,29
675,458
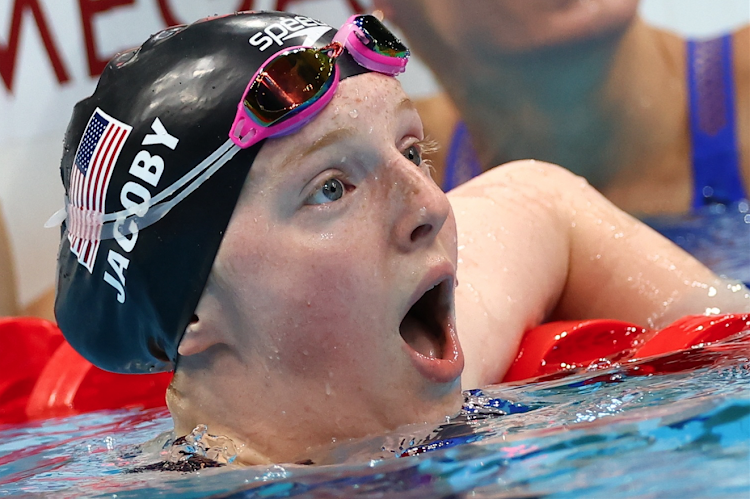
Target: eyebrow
344,133
327,139
340,134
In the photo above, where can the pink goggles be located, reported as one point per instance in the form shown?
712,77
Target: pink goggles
295,84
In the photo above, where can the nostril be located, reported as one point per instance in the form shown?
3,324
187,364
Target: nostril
420,232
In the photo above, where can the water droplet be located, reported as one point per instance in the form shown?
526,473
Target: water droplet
353,113
328,389
109,442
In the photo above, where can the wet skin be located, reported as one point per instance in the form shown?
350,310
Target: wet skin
338,232
329,311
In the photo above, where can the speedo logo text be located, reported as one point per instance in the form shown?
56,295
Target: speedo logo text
299,27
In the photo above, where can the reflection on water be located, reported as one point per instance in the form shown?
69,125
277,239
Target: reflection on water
670,426
719,236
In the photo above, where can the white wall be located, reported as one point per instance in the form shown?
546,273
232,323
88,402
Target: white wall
697,18
34,115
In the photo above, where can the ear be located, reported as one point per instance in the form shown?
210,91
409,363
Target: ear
198,337
207,326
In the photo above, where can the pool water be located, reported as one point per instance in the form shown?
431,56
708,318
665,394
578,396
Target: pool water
670,426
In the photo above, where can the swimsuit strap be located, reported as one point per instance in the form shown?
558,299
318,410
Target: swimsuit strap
715,152
462,163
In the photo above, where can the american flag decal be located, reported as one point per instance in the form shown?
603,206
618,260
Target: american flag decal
94,163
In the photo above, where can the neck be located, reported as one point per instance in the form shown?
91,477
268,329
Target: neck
583,105
235,398
188,403
277,418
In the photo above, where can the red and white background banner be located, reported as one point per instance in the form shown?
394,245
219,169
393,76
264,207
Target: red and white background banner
52,51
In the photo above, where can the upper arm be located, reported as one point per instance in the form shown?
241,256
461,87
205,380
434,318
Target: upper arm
619,268
513,263
538,243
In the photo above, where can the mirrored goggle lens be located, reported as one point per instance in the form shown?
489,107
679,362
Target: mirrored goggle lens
379,38
287,82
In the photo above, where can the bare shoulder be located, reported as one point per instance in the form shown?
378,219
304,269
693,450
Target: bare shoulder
524,170
513,260
537,179
538,243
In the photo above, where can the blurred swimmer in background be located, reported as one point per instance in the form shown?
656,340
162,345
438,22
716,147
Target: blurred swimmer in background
656,123
268,228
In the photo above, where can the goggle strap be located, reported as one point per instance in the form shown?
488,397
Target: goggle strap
116,224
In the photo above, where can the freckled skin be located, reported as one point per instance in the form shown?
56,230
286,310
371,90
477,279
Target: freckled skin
297,339
310,348
547,246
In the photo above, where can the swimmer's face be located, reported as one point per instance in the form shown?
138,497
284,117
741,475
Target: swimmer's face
337,270
486,26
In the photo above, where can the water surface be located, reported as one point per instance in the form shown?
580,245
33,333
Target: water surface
672,426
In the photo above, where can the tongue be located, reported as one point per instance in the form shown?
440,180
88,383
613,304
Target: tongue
419,338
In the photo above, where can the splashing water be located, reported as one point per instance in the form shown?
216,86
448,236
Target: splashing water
669,426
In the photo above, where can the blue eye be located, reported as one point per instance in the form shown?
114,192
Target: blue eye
331,190
413,154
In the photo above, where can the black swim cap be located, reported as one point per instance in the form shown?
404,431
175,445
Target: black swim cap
159,119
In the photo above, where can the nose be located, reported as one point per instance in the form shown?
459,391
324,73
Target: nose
420,206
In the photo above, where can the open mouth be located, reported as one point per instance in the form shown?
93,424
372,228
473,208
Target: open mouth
423,327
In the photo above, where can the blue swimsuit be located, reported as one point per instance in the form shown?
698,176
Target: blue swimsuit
715,151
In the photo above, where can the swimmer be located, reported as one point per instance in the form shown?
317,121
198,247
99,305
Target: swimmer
657,123
317,285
